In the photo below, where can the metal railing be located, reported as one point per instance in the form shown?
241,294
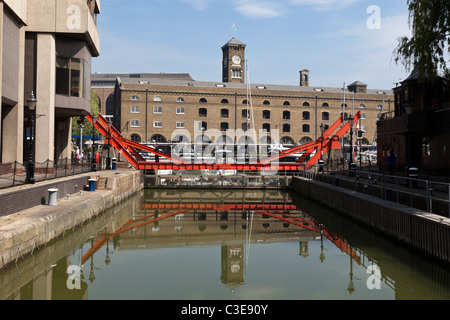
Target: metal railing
15,173
424,194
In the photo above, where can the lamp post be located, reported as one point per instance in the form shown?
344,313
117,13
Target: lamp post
351,120
94,160
32,106
322,129
108,159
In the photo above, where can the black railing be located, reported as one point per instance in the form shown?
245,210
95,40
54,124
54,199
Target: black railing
15,173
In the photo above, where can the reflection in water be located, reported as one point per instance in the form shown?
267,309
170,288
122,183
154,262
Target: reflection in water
221,245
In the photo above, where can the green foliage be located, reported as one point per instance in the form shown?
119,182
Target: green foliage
428,48
88,127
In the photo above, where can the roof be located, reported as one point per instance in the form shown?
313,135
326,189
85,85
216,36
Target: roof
242,86
234,42
357,83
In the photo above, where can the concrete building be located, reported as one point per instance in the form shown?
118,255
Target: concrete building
46,48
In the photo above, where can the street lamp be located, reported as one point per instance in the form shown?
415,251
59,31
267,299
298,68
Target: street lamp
94,160
351,120
32,107
322,129
108,159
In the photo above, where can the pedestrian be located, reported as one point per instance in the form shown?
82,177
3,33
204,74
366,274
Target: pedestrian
392,159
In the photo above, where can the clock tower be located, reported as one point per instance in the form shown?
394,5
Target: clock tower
233,63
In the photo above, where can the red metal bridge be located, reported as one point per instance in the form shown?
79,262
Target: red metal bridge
310,152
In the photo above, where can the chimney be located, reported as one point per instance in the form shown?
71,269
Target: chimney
304,78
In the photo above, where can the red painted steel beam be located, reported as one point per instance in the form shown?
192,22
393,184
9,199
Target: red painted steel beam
219,207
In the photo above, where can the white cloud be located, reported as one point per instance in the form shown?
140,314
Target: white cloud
260,9
323,5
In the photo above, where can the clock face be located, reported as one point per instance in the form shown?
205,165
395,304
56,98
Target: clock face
235,268
236,60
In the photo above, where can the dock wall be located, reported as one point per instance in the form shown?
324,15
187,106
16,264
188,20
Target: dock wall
424,231
23,232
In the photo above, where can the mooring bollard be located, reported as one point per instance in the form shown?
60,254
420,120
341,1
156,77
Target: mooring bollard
52,197
114,163
92,184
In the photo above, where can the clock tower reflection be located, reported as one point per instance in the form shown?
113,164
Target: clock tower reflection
232,266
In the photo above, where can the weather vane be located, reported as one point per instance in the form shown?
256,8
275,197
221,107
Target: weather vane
233,28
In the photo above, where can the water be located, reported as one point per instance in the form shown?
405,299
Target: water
222,245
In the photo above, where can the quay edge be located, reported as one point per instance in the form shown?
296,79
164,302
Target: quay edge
25,231
426,232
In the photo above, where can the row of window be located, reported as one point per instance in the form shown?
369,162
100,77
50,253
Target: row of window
224,113
224,126
245,102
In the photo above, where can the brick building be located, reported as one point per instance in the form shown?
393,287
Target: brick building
161,109
418,129
46,48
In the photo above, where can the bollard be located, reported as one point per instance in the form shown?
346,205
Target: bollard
52,197
352,169
320,165
114,163
413,173
92,184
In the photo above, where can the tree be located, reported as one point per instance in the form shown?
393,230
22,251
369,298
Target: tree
88,127
427,49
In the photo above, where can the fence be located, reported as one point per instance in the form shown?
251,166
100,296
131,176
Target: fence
424,194
15,173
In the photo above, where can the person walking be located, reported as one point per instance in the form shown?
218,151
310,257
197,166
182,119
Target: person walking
391,160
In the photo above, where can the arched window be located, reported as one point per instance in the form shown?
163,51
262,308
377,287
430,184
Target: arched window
287,140
306,128
180,99
157,99
202,112
362,106
135,138
266,103
224,113
203,100
325,105
224,101
286,103
306,104
223,126
158,138
135,98
305,140
306,115
157,110
203,126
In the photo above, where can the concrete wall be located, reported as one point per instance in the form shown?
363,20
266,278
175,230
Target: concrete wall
424,231
29,230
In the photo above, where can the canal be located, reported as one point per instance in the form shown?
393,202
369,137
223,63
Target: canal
223,245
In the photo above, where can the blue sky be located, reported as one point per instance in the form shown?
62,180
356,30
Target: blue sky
331,38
